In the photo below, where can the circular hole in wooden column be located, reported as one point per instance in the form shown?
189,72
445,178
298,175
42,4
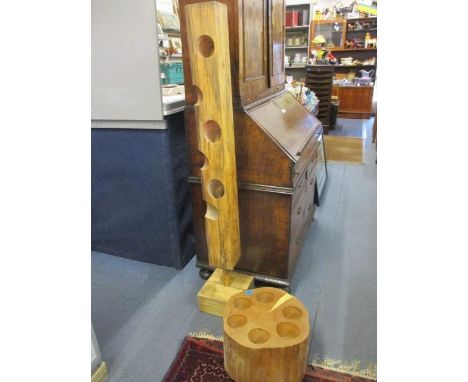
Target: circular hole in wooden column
205,46
195,96
212,131
265,297
288,330
258,336
205,162
291,312
236,320
216,188
242,303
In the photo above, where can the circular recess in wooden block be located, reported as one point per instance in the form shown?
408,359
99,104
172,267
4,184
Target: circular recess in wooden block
195,96
236,320
276,329
242,303
205,45
292,312
212,131
286,329
265,297
216,188
259,336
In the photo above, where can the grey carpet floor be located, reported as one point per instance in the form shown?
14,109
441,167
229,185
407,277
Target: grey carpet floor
141,312
352,127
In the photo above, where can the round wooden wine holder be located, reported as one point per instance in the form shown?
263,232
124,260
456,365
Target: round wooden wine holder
266,336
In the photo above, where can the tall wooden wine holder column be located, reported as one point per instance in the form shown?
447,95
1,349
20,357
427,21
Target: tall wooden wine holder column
208,40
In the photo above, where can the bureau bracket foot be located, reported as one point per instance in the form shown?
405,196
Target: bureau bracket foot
205,273
260,280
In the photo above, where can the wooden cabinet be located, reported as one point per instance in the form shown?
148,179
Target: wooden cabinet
276,142
355,101
256,38
276,155
276,42
334,32
319,79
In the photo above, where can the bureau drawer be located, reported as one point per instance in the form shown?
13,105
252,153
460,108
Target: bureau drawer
308,154
306,185
303,209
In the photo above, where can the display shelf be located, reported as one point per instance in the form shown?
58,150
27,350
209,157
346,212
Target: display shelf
356,66
362,19
172,31
351,49
353,86
302,6
299,5
362,30
299,27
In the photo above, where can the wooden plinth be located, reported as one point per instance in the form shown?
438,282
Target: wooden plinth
213,296
100,374
266,336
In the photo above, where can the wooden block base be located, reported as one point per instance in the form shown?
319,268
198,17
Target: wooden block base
213,295
100,374
266,336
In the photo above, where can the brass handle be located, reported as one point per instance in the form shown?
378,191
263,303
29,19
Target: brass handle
299,210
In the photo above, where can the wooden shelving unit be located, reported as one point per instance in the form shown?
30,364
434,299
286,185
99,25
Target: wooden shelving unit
355,101
296,47
291,50
297,28
169,32
340,32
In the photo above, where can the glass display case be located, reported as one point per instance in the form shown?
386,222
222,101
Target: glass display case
332,30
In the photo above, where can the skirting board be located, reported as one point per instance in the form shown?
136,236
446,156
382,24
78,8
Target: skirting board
100,374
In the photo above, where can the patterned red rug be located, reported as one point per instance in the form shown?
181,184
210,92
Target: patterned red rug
201,360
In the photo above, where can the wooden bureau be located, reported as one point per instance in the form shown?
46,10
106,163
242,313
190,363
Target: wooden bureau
276,141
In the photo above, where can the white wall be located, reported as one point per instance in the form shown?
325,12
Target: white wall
125,77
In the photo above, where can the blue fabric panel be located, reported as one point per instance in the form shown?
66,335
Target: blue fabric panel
141,207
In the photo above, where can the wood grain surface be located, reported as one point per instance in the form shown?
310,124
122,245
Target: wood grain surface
256,50
275,143
208,43
266,336
355,100
344,149
213,296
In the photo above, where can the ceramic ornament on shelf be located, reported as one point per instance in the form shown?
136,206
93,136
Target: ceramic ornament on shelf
208,43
